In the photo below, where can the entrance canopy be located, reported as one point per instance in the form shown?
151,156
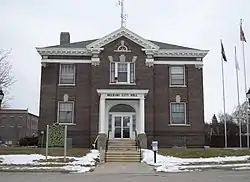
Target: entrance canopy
120,110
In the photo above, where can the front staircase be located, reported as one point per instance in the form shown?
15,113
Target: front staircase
122,151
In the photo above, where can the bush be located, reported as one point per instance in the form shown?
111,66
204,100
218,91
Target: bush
28,141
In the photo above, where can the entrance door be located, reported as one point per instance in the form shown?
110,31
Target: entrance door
122,126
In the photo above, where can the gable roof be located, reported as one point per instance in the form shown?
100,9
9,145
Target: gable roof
83,44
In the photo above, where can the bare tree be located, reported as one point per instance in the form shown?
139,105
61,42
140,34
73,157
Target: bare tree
6,78
241,113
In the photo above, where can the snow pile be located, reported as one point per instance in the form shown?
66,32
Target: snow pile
242,168
175,164
80,164
20,159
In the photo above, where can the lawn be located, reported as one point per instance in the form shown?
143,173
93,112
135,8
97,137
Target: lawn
199,152
74,152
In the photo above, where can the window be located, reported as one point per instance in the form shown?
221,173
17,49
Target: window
122,72
178,113
65,112
177,75
67,74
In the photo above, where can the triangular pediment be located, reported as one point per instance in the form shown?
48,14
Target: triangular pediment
126,33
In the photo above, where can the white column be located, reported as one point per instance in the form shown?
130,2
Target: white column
142,115
102,115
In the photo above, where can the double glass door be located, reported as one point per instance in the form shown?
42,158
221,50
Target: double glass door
122,126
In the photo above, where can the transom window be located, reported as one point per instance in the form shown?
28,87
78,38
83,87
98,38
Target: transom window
122,72
178,113
67,74
177,75
65,112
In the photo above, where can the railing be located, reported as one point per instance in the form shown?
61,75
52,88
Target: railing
106,147
138,145
94,145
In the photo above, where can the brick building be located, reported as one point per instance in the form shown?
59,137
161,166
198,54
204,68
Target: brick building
15,124
123,84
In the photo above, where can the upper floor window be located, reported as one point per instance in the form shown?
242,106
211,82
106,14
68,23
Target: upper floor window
122,72
65,112
177,75
178,113
67,74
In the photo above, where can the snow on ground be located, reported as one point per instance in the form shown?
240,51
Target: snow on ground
175,164
81,164
242,168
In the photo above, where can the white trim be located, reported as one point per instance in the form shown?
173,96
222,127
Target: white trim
67,84
73,112
178,62
63,51
64,85
184,76
121,83
185,115
155,53
63,61
121,91
179,125
180,53
68,124
177,86
113,102
119,33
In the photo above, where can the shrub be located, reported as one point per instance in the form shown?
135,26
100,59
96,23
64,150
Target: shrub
28,141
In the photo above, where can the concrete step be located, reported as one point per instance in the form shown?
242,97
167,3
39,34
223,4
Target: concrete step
122,159
121,143
123,155
123,152
125,144
117,148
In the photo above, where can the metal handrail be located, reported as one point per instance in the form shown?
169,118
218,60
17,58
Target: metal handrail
138,145
95,142
106,148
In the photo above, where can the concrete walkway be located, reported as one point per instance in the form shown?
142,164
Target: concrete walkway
122,168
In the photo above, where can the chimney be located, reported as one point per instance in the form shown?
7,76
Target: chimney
64,38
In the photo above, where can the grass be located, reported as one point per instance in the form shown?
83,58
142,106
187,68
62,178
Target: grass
72,152
199,152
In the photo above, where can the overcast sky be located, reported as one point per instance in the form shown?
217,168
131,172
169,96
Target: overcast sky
201,24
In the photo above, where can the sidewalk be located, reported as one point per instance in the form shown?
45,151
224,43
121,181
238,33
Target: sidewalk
122,168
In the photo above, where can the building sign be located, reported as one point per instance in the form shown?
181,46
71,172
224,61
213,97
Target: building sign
122,95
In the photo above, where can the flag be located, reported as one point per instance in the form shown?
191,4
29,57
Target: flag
223,52
236,61
242,35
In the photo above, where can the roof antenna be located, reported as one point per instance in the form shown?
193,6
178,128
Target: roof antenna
123,16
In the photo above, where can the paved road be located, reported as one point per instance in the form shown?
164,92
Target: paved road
206,176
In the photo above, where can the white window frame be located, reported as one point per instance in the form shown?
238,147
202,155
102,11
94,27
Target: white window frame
185,114
67,84
73,112
116,73
184,76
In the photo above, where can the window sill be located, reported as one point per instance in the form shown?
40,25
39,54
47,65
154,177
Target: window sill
179,125
66,85
122,83
68,124
178,86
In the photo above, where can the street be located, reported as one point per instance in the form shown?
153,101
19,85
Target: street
206,176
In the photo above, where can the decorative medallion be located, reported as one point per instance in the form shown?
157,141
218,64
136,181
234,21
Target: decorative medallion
122,47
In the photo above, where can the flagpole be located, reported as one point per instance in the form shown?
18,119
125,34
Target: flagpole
243,39
224,101
238,93
245,77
